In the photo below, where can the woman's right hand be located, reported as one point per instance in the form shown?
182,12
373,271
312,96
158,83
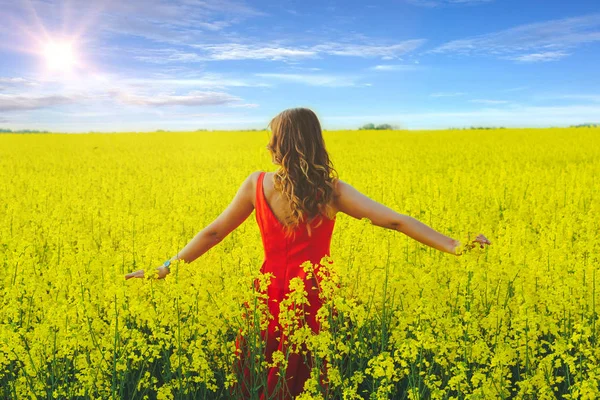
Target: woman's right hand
480,239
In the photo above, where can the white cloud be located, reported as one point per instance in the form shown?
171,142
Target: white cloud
234,51
10,83
368,50
542,41
540,57
394,67
13,102
15,81
104,92
222,52
165,56
306,68
190,99
312,79
209,80
172,115
487,101
275,51
447,94
163,21
243,105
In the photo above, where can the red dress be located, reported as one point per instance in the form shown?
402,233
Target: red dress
283,257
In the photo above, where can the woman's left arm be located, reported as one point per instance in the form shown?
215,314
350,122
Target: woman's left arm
238,210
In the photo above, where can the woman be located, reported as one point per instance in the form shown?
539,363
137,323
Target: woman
295,211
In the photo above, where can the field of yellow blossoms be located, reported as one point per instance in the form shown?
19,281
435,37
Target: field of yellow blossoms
517,319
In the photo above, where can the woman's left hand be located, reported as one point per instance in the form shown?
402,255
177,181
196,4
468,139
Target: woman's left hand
136,274
162,272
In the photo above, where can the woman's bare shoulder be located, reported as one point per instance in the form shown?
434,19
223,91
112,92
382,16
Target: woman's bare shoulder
253,177
338,187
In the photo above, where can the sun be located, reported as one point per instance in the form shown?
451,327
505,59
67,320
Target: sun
60,56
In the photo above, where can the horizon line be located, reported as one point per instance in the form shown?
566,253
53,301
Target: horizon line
481,127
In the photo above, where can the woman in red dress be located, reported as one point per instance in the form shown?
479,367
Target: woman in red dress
295,211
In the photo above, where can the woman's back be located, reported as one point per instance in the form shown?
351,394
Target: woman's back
281,251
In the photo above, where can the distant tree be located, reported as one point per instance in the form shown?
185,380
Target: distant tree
485,127
367,127
22,131
588,125
377,127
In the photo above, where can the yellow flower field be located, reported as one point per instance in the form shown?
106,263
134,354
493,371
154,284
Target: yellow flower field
516,319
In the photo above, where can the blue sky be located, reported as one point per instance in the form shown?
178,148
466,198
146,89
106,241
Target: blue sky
142,65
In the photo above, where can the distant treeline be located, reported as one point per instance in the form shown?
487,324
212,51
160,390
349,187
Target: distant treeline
392,127
21,131
385,127
586,126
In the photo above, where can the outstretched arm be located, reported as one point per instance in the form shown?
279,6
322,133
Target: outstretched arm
238,210
350,201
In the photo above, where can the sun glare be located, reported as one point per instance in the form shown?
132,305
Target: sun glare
60,56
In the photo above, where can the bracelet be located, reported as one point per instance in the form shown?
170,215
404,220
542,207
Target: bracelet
166,265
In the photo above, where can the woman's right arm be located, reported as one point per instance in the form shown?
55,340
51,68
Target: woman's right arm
350,201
